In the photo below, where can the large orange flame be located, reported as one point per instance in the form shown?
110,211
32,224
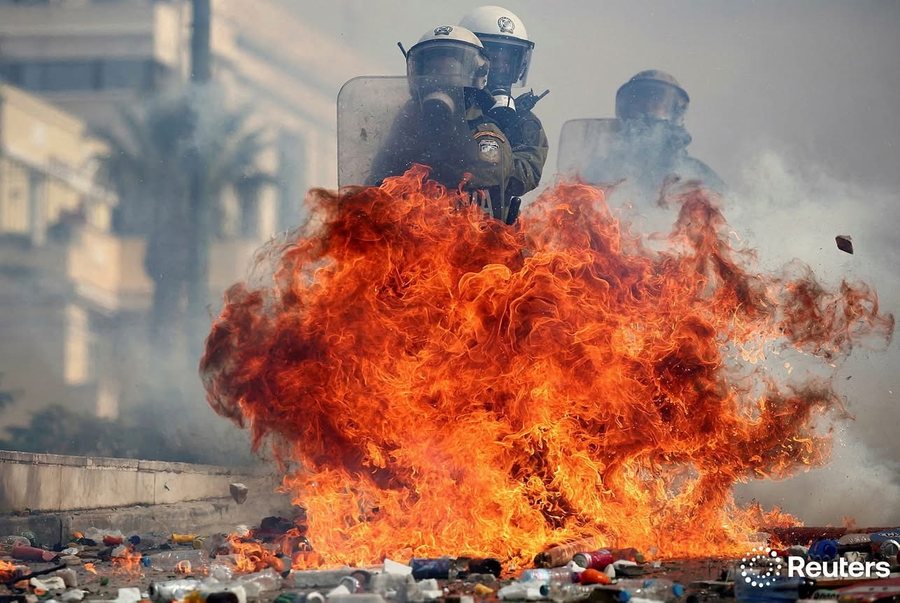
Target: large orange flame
452,385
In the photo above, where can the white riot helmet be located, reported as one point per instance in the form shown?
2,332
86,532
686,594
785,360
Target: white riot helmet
506,43
447,56
652,94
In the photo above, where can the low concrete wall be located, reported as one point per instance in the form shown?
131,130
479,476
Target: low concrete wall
50,482
52,495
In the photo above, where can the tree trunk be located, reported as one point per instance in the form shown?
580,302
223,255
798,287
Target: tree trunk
198,275
164,315
200,59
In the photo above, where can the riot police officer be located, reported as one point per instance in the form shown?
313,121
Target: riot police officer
509,49
651,108
445,124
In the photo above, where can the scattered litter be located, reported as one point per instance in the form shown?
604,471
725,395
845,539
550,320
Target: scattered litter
47,584
400,569
245,565
74,594
30,553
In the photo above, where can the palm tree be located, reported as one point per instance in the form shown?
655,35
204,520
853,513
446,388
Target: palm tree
152,163
6,396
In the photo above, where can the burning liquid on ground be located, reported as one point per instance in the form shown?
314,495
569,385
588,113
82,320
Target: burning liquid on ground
447,385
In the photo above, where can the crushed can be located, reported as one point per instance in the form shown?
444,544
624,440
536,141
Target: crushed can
887,545
597,560
889,550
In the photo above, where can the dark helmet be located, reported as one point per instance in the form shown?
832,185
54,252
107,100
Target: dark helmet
652,94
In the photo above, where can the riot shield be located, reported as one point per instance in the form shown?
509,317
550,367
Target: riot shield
382,129
594,151
642,157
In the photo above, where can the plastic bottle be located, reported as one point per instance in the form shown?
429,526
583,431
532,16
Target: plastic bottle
193,590
168,561
172,589
259,582
562,554
659,589
548,576
318,578
566,592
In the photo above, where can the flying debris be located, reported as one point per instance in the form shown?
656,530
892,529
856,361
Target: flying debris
844,243
238,492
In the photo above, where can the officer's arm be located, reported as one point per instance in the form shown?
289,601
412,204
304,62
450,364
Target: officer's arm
490,158
529,153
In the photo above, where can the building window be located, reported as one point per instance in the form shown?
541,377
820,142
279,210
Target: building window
88,74
126,73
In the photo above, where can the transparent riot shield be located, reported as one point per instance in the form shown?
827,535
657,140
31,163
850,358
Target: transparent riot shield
383,129
592,150
641,157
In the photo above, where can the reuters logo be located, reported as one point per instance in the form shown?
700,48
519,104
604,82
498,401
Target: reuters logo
760,567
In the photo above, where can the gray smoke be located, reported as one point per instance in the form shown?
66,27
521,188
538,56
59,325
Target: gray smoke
789,209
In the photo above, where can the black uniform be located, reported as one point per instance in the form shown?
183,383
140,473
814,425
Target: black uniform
501,163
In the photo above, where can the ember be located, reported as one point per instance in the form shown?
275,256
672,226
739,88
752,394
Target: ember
127,561
7,571
455,386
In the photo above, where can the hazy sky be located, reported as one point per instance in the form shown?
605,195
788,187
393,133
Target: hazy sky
793,103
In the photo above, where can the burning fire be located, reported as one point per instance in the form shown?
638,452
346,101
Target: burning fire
126,561
451,385
252,556
7,570
90,567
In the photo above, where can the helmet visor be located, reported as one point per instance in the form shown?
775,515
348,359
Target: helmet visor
651,99
510,60
443,65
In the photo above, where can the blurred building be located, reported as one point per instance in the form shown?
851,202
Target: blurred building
73,291
92,57
47,195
